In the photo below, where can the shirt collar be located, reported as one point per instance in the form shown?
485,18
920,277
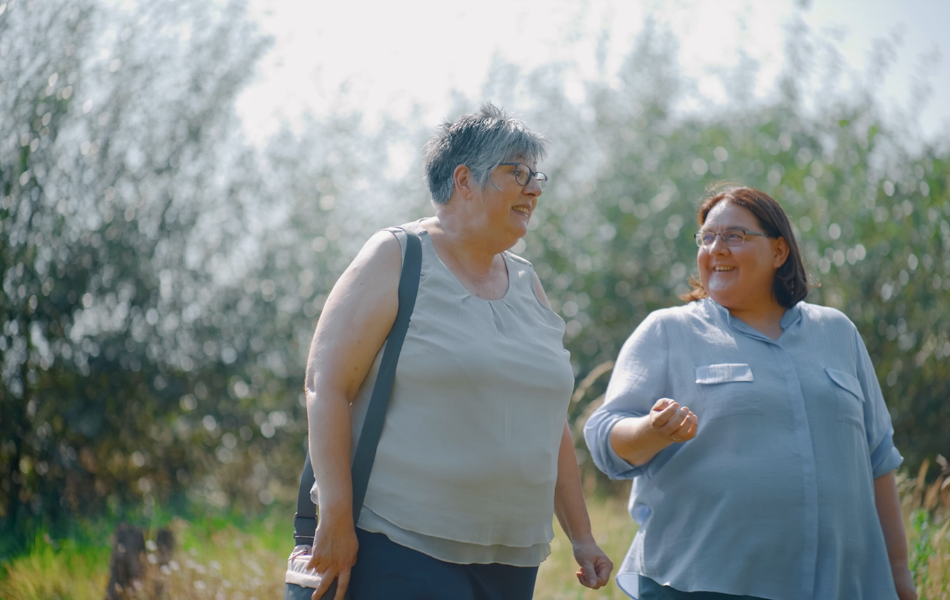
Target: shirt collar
791,317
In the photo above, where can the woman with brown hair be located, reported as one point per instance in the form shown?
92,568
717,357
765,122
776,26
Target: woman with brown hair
754,430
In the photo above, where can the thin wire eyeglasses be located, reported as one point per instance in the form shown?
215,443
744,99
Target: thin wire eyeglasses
731,237
524,174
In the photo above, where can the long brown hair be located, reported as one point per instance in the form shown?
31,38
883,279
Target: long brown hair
791,282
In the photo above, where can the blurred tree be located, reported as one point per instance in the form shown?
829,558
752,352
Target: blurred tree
161,279
124,186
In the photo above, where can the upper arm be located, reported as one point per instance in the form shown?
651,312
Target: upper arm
640,375
638,380
880,432
356,319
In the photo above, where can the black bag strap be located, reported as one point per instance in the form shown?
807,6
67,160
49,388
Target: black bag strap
305,520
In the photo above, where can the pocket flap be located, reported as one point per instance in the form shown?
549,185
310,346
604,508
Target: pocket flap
846,381
723,373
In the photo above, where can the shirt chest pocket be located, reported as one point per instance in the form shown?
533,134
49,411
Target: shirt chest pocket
850,397
728,390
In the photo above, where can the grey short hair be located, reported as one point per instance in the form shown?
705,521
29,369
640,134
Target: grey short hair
479,141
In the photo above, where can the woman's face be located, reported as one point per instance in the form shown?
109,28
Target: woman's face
739,277
508,206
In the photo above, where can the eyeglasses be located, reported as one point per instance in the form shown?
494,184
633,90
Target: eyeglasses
524,174
732,237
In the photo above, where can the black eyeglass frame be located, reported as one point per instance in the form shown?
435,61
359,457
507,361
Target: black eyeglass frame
538,176
699,235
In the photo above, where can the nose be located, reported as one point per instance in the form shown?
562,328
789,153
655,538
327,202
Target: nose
533,188
718,245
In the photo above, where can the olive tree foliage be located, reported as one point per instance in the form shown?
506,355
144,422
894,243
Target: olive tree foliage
161,280
612,236
125,191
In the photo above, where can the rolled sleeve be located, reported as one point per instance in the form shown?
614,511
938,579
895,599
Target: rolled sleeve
880,432
885,459
597,435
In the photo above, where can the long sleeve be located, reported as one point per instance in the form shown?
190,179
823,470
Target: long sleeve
638,381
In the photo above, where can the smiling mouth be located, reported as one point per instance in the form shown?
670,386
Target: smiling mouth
522,209
723,269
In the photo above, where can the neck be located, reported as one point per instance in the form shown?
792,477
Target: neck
463,241
765,319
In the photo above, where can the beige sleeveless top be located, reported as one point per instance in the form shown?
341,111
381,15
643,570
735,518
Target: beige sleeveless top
467,460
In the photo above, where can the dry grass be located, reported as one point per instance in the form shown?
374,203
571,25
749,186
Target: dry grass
926,509
613,529
213,562
217,560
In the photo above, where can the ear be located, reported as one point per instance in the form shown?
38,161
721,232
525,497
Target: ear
464,181
780,252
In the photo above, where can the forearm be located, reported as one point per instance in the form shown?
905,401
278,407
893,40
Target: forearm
328,416
569,505
636,441
889,513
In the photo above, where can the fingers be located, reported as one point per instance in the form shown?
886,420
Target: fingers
595,577
595,568
315,564
327,584
343,582
688,430
590,574
333,583
604,567
585,578
661,415
674,422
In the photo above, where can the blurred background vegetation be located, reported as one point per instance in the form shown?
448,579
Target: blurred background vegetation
161,276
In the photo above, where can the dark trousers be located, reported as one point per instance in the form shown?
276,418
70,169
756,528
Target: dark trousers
387,571
651,590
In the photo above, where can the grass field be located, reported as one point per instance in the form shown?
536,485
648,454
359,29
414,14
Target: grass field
218,559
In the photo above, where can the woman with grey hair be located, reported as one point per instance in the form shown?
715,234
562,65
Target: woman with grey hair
475,456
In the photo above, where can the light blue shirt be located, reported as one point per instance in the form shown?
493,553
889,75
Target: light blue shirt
774,497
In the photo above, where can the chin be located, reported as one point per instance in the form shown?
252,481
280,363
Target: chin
720,298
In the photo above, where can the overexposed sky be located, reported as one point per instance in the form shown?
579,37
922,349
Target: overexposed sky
393,55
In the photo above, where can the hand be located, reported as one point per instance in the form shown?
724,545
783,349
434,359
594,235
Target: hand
595,566
333,554
904,582
673,422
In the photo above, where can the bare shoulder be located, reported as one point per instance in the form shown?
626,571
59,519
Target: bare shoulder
380,253
368,285
357,317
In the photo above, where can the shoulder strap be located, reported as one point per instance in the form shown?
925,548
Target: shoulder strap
305,521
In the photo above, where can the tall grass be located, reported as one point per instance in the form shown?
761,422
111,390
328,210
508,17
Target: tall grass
926,510
215,558
613,530
244,559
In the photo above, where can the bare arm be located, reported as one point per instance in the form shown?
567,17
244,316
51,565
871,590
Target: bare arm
571,511
889,513
355,321
638,439
569,505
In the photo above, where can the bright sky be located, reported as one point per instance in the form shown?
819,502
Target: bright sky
394,54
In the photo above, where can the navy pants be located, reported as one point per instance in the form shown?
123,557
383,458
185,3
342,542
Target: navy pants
387,571
651,590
